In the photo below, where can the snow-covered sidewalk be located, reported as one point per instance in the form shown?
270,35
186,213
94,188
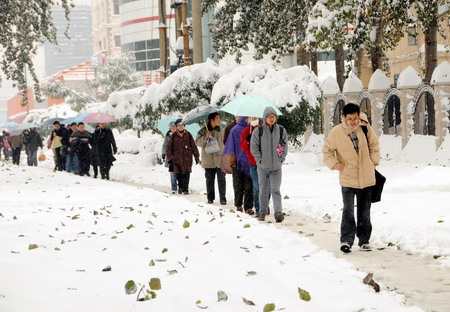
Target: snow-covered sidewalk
81,225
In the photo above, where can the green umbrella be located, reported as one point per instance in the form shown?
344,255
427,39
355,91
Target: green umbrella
163,126
249,105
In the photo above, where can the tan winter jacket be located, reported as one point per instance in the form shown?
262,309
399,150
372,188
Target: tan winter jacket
210,161
359,168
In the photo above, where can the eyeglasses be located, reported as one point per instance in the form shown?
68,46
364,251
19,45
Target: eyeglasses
271,116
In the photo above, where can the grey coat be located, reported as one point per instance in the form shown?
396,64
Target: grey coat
264,147
210,160
32,141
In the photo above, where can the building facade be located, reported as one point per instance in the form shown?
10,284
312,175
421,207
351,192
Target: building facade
106,26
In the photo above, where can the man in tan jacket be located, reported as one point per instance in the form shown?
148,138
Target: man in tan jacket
348,150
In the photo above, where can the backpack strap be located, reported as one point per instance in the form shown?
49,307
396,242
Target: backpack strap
260,133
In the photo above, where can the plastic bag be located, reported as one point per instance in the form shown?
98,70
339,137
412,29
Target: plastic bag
42,156
56,142
212,146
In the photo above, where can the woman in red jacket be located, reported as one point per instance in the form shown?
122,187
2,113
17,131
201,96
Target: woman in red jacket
245,146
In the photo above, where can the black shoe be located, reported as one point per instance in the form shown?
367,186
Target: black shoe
88,174
210,201
95,176
223,202
346,248
180,192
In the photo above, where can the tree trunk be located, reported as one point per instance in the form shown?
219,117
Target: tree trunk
339,63
358,62
431,48
162,39
197,31
314,66
302,57
376,54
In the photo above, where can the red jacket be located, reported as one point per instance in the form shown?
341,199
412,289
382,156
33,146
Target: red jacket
245,145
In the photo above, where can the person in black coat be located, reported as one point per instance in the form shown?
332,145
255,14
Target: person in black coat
94,152
80,141
106,147
60,152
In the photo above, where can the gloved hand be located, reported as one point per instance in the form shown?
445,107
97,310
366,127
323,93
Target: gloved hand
115,151
197,161
163,156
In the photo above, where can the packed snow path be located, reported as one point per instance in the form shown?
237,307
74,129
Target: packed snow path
58,232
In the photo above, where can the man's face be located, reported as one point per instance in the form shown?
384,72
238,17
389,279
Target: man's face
74,128
351,120
102,125
180,127
57,126
271,119
81,128
173,128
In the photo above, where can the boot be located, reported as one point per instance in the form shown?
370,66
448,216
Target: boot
262,217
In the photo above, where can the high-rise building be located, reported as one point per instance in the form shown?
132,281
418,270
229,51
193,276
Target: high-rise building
75,49
106,26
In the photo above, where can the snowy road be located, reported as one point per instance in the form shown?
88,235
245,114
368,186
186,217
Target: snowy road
58,231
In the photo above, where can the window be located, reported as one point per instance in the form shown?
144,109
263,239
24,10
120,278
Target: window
141,66
153,65
153,54
140,56
139,45
116,7
117,41
153,44
412,36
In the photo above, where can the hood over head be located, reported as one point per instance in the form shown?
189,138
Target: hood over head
269,110
241,120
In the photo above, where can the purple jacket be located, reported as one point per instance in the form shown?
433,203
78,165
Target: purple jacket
232,146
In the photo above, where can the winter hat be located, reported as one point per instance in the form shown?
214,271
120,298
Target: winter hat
172,124
178,121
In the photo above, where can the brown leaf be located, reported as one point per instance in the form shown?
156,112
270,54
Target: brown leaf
369,281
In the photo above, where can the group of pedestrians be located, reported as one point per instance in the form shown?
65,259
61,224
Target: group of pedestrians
254,151
75,149
29,140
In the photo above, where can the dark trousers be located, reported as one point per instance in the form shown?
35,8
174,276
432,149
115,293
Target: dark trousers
183,182
210,175
16,155
362,228
243,189
60,159
104,172
84,162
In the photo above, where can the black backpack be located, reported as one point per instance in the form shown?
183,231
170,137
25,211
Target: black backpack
260,133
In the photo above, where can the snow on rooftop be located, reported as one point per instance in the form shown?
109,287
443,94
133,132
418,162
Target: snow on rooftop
330,86
409,78
379,81
352,84
441,73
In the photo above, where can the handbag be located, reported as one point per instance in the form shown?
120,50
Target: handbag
56,142
212,145
225,165
377,189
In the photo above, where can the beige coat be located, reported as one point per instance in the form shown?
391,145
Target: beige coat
359,168
210,160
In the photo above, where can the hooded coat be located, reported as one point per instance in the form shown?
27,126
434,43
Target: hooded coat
264,146
180,150
237,157
32,141
359,167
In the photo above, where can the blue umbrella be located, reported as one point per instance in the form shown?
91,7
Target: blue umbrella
249,105
10,125
163,126
50,121
76,119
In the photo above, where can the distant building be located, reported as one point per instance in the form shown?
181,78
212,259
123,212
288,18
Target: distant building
73,51
106,26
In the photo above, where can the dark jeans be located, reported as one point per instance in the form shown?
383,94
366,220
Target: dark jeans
32,157
72,163
104,172
362,228
84,161
16,155
183,181
173,181
60,159
210,175
243,189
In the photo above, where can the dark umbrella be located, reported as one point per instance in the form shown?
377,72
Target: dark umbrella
50,121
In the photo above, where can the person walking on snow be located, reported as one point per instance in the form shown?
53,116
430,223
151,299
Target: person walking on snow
180,149
242,183
355,155
167,161
72,164
32,142
80,141
211,162
245,146
16,146
106,147
269,146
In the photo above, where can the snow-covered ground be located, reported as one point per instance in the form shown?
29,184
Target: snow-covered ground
82,225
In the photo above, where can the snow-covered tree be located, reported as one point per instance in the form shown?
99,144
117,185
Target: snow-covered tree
115,75
23,26
271,26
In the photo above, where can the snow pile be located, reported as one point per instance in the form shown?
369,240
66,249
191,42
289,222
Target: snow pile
390,147
442,156
127,142
330,86
284,87
414,149
61,111
352,84
123,104
441,74
409,78
379,81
